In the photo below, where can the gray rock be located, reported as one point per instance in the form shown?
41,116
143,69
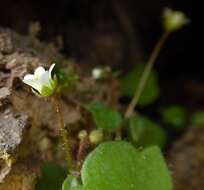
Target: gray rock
11,129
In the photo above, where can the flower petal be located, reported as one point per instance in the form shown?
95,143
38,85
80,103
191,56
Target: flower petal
38,72
28,77
45,80
33,83
36,92
50,70
41,82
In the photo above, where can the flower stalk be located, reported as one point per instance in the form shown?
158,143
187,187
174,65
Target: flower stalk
64,133
172,21
44,84
145,74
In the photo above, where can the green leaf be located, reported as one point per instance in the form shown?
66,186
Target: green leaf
198,119
129,84
77,188
174,115
144,132
69,183
104,117
65,77
53,176
119,166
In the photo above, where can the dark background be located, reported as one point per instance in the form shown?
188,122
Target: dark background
132,27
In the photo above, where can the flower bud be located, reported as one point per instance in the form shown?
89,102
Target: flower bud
82,134
174,20
97,73
96,136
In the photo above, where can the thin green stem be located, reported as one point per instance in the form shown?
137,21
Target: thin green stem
64,134
145,74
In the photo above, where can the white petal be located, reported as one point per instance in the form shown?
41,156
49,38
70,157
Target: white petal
33,83
38,72
28,77
45,80
50,70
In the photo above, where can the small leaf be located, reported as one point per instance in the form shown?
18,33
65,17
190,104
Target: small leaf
77,188
198,119
53,176
65,77
69,183
104,117
175,116
129,84
119,166
144,132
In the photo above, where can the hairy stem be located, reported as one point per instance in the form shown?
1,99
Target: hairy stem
145,74
82,150
64,134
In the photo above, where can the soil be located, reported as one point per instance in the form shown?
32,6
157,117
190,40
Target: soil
186,160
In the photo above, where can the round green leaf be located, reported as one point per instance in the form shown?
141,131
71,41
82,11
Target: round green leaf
175,116
69,183
129,84
104,117
198,119
53,176
119,166
76,188
143,132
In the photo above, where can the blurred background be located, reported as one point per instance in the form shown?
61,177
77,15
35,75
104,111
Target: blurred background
121,34
126,29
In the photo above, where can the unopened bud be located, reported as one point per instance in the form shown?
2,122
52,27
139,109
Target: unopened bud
82,134
97,73
96,136
174,20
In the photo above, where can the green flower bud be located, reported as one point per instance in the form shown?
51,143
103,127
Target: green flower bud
82,134
96,136
174,20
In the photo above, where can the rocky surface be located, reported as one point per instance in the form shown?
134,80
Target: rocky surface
12,126
187,160
23,113
11,129
19,160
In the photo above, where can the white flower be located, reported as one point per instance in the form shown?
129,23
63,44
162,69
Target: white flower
42,82
174,20
97,73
